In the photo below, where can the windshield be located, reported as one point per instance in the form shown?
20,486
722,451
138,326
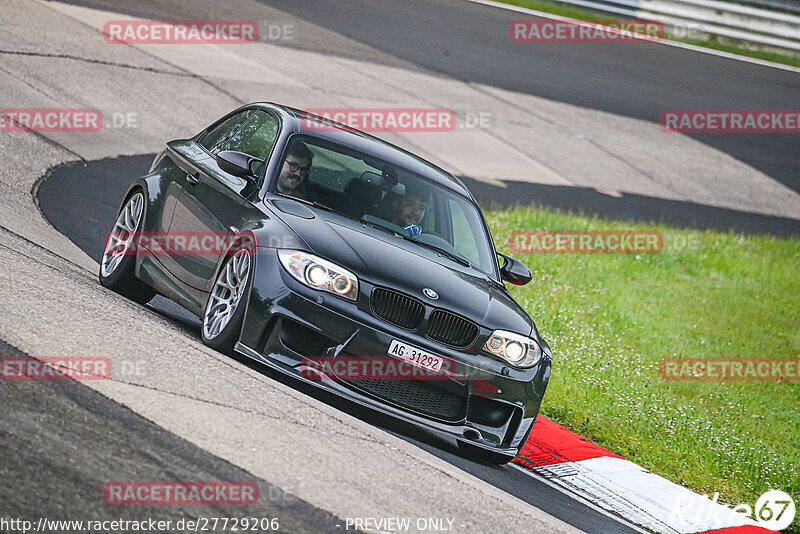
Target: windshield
365,188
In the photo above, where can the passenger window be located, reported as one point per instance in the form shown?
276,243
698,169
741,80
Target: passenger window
218,137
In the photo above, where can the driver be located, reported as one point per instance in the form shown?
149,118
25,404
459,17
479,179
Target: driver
295,169
409,210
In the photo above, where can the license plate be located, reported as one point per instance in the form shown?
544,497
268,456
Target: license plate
415,356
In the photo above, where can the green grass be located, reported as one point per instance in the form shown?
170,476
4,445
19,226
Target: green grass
775,57
611,318
713,43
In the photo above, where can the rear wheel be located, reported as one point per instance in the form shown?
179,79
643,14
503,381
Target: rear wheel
224,312
118,263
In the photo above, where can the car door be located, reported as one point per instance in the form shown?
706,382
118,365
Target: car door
211,202
186,156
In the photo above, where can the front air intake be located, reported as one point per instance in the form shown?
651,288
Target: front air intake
450,329
396,308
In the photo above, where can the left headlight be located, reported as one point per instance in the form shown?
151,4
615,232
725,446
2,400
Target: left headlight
319,274
519,351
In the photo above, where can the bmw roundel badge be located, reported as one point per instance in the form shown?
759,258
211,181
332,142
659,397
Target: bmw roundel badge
430,293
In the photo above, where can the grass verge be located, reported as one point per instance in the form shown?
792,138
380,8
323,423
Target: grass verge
713,43
611,318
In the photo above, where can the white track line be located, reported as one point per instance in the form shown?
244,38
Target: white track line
676,44
577,497
641,497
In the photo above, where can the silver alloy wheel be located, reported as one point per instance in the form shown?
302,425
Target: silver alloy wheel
226,295
121,237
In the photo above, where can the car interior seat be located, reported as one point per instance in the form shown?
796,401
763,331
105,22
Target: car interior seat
362,196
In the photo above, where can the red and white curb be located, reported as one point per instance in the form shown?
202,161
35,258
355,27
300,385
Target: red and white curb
623,488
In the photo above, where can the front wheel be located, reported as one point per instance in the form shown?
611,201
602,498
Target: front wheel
118,263
224,312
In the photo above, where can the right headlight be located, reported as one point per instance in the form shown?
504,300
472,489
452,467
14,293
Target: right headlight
319,274
519,351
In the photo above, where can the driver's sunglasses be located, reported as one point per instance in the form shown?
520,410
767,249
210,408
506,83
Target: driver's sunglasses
294,167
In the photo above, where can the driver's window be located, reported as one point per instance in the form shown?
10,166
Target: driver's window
216,138
256,137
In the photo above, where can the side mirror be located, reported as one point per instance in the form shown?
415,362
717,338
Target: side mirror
238,164
514,271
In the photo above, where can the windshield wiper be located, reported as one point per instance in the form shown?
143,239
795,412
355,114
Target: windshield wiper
379,227
442,252
321,205
325,207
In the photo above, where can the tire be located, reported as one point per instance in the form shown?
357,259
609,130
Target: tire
118,262
224,311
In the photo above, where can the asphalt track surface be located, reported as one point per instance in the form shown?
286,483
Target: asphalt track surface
458,40
85,219
469,42
60,442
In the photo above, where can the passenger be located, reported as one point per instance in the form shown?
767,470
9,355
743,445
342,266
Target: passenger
409,210
295,169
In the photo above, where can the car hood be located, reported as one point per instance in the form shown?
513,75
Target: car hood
383,259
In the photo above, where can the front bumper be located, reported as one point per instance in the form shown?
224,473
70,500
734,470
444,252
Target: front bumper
488,404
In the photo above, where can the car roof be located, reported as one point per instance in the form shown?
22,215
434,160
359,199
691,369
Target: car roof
368,144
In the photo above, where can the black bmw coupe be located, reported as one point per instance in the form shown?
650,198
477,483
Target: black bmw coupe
344,261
